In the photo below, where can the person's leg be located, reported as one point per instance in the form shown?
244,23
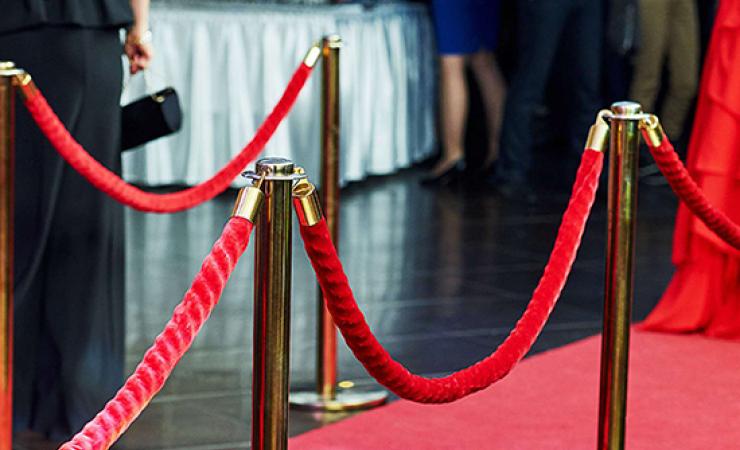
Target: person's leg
584,42
493,89
37,173
541,24
84,309
683,65
650,56
620,41
453,93
456,38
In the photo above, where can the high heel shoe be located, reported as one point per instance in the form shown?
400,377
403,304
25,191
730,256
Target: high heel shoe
449,176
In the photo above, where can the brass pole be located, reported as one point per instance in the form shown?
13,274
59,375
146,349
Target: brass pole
326,362
271,357
326,397
7,143
622,213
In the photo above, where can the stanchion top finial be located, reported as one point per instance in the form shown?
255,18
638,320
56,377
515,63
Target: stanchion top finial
333,41
8,69
275,166
626,109
275,169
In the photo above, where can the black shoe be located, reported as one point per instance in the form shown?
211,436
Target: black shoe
449,176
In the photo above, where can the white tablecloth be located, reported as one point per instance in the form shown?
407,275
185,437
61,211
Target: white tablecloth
231,62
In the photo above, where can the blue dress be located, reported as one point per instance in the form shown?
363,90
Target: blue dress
466,26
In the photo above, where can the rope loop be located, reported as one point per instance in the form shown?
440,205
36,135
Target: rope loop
114,186
688,191
390,373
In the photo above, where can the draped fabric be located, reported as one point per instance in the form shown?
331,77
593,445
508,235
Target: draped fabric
21,14
231,62
704,294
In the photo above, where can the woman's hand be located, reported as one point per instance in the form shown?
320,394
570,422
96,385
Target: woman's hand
138,48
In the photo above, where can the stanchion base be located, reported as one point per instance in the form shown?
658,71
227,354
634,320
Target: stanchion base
345,400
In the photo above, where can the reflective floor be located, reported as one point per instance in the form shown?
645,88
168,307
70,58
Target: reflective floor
442,274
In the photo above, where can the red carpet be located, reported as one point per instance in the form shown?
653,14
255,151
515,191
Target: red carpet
684,394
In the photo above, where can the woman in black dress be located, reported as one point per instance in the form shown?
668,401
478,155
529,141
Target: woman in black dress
69,302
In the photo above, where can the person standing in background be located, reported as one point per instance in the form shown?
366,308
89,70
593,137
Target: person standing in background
704,293
467,32
68,276
622,39
543,27
669,34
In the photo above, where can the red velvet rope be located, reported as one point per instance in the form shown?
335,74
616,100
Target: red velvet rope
110,183
177,336
393,375
690,193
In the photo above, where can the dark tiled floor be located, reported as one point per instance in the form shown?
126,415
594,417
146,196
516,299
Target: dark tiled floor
441,274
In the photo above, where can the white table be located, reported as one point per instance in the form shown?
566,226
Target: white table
230,63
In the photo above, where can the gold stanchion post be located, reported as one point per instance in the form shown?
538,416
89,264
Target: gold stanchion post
622,217
8,73
271,356
326,397
326,352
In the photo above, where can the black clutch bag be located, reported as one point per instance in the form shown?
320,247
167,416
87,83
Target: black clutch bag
149,118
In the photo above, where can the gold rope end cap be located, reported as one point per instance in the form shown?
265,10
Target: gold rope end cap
248,203
26,87
313,55
652,130
306,203
598,134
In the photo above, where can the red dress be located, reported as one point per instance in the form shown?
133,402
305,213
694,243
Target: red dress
704,294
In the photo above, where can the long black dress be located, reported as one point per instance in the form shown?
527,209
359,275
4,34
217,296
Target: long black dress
69,303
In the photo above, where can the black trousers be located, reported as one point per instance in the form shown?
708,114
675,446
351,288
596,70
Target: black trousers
69,261
544,26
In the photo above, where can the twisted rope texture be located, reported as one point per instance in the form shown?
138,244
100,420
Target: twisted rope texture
689,192
177,336
396,377
110,183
